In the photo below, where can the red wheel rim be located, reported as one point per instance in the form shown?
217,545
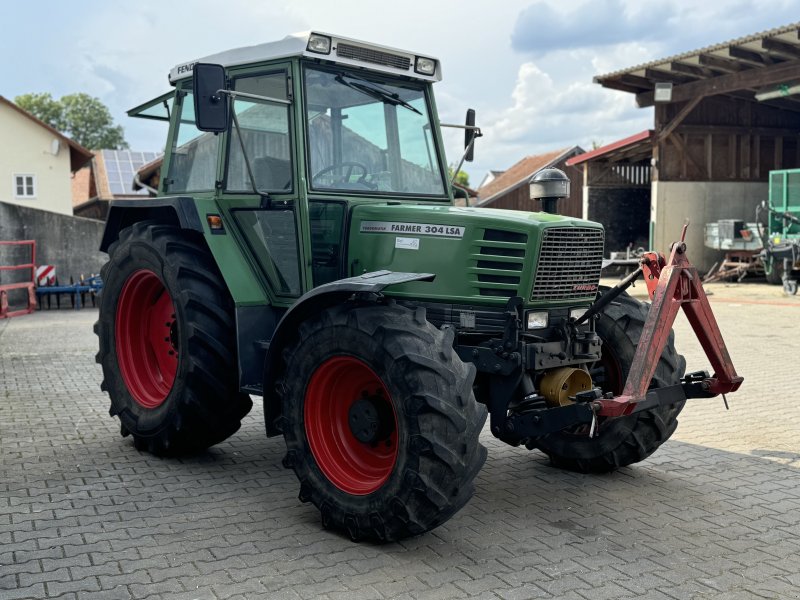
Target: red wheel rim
353,466
146,338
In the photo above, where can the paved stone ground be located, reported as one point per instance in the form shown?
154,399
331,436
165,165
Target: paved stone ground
714,514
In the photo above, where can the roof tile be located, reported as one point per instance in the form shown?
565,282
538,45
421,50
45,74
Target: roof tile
521,171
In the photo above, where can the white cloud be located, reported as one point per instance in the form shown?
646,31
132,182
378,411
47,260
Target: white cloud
533,96
546,115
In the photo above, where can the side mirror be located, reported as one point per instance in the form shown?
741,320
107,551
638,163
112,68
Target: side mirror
210,107
469,135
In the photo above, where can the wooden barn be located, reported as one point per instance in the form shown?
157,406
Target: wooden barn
724,116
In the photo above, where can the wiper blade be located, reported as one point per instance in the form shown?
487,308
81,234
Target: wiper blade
368,89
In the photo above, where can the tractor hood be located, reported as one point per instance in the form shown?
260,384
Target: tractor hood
480,256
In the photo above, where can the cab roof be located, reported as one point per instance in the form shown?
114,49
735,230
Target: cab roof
343,51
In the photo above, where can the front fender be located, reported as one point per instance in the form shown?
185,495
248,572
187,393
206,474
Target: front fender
309,304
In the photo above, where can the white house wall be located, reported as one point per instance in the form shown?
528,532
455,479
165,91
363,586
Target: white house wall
26,149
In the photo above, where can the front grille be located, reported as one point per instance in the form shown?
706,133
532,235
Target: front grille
501,255
373,56
569,266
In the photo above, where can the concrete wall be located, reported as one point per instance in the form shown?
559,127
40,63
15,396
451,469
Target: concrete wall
26,149
701,202
70,243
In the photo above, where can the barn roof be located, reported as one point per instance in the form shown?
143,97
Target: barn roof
761,63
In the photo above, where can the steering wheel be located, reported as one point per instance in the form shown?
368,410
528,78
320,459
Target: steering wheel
350,165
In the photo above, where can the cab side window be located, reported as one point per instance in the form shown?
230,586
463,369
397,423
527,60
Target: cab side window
264,130
193,166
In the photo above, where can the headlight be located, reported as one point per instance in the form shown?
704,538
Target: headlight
577,313
536,320
425,66
320,44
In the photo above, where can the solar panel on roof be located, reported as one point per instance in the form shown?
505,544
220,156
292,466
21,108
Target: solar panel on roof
121,167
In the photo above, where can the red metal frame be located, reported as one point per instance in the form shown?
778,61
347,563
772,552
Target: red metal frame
672,285
24,285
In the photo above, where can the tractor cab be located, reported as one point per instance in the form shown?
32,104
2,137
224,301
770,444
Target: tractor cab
306,127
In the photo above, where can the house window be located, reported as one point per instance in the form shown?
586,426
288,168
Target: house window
24,186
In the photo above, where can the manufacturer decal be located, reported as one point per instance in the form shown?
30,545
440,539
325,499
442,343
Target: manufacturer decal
406,243
451,231
186,68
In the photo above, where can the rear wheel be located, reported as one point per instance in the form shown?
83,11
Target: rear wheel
167,341
624,440
380,423
775,275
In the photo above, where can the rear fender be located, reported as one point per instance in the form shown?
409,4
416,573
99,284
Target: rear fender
310,304
180,211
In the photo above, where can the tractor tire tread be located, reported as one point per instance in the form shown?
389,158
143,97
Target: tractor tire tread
443,456
637,436
206,404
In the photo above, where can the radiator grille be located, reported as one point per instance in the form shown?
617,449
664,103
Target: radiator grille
569,266
373,56
500,262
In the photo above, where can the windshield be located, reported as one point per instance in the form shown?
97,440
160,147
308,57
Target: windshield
366,136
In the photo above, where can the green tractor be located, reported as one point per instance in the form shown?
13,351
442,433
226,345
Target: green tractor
305,248
781,235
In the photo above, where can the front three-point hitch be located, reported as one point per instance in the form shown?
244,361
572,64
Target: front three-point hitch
672,284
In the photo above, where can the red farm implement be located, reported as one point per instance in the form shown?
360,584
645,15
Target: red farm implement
28,285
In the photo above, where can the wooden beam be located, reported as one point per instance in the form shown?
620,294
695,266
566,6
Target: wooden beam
616,84
781,47
737,130
678,119
748,95
745,170
635,80
722,64
752,78
632,155
757,58
693,70
658,75
757,157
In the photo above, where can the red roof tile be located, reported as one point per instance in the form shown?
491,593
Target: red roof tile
520,172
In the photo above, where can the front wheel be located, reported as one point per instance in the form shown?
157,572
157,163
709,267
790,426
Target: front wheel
380,423
623,440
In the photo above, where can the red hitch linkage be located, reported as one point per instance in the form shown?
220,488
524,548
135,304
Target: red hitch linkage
672,286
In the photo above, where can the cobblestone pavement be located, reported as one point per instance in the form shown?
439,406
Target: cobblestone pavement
715,513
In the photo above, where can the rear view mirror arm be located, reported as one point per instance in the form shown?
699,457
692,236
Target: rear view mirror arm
234,95
478,134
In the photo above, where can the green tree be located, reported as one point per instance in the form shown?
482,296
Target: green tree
42,106
80,116
462,178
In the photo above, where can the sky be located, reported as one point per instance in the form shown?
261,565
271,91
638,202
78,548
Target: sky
525,66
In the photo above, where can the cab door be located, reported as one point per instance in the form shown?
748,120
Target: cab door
268,219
